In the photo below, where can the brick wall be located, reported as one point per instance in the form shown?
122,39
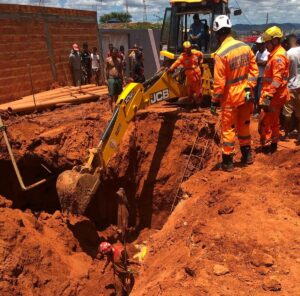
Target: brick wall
40,37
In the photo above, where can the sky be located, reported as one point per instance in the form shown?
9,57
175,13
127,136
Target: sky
255,11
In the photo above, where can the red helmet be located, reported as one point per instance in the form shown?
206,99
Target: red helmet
105,248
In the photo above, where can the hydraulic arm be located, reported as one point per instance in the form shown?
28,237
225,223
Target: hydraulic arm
77,186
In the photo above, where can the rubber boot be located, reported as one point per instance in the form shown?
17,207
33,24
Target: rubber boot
227,163
273,147
246,155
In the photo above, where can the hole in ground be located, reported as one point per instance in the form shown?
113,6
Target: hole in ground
149,167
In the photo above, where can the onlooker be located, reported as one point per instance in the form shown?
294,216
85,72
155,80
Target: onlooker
110,49
262,55
75,65
132,58
138,70
292,107
86,63
123,57
114,76
196,32
95,65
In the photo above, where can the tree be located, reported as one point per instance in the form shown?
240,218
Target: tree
122,17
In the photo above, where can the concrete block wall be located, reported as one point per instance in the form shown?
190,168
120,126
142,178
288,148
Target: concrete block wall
42,38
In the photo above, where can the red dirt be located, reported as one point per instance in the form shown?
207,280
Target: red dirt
242,220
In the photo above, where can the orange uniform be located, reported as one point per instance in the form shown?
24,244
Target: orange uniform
275,83
191,66
235,70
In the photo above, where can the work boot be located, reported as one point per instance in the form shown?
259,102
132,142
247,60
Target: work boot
273,147
246,155
227,163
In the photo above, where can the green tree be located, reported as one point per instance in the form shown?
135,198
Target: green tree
122,17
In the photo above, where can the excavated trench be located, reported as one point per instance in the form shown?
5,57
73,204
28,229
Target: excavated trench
149,165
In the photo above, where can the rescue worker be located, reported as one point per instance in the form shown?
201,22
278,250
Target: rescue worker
235,77
190,60
274,90
118,257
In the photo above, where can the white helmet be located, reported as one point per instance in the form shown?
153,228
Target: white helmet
259,40
221,21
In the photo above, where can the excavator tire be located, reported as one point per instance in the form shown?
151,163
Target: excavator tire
75,191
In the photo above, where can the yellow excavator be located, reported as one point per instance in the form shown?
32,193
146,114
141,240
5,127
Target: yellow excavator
76,187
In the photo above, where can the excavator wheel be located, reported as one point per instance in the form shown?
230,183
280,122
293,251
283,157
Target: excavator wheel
75,191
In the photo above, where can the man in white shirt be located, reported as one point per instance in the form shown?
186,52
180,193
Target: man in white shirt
261,60
292,107
96,65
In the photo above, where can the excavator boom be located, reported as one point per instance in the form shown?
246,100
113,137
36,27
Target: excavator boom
76,187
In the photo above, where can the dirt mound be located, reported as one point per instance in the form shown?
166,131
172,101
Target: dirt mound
238,234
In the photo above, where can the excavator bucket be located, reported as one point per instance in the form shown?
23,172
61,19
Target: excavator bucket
75,190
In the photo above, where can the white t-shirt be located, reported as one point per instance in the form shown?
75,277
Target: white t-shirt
95,61
263,57
294,79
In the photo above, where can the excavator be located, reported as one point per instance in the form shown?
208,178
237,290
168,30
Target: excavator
76,187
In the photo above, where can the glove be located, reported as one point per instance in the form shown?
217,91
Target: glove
266,102
248,95
213,108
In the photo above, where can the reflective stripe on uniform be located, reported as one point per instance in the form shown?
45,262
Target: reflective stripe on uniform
229,49
276,84
238,79
228,144
218,96
252,79
244,137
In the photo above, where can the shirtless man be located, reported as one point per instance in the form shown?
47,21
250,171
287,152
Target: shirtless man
114,76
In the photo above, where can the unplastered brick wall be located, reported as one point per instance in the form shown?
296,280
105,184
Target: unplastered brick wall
38,40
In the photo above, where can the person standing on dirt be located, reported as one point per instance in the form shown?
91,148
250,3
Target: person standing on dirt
123,57
123,213
75,64
117,256
261,60
95,65
110,49
138,69
86,63
292,107
235,77
274,92
190,61
114,77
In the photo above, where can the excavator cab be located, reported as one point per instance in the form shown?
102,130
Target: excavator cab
179,20
192,20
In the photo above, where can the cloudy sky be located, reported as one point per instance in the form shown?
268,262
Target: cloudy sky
255,11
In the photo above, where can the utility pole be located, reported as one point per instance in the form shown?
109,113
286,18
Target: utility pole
145,11
267,20
126,5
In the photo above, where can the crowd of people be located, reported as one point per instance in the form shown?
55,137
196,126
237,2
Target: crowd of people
85,67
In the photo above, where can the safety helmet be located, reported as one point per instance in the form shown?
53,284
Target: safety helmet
187,44
271,33
259,40
220,22
105,247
